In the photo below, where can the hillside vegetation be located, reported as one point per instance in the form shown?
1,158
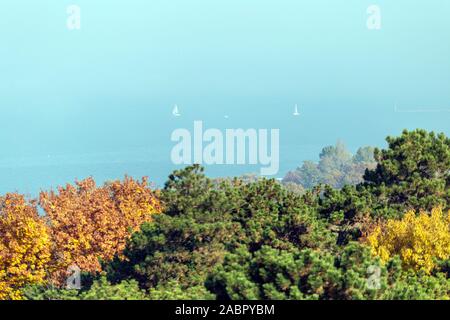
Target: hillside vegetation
383,237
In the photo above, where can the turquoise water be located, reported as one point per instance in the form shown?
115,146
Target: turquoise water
98,101
146,155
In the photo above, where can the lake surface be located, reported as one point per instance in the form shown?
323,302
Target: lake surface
138,152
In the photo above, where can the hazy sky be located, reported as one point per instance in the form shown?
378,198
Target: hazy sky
111,85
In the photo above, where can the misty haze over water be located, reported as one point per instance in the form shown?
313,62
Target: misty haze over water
98,101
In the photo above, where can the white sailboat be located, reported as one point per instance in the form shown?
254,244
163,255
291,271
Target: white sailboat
296,113
175,111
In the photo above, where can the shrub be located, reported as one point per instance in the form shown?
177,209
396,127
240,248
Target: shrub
419,240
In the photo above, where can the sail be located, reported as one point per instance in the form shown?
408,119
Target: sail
175,111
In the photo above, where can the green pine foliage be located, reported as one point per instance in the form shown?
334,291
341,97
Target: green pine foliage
100,289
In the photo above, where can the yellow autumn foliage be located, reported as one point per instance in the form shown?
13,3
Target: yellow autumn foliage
24,246
418,239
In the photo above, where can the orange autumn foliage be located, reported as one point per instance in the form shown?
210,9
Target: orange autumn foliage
25,246
89,223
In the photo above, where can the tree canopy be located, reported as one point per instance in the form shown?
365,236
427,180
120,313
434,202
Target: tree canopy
385,237
336,168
